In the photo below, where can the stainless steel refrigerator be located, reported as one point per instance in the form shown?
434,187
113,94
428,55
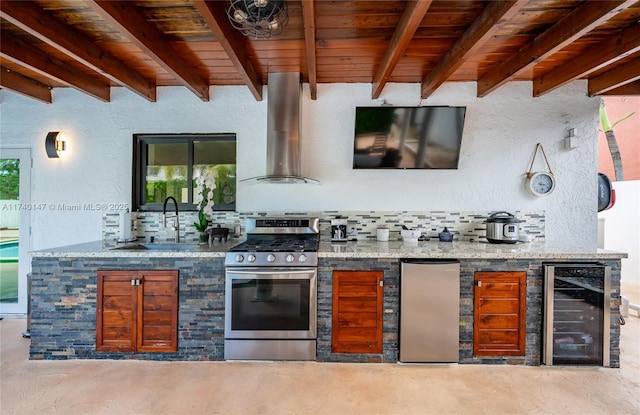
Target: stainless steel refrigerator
429,311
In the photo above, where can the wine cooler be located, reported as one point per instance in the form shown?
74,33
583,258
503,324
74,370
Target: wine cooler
576,314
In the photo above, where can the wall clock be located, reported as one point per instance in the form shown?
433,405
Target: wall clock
540,183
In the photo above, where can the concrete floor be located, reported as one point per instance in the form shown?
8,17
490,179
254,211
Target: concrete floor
194,388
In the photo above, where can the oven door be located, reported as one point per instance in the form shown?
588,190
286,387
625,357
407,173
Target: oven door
270,303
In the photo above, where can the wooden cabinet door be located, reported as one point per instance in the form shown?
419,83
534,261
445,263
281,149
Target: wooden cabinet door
158,311
137,311
499,323
116,318
357,312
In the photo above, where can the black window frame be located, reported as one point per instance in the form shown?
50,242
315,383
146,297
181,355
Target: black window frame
140,153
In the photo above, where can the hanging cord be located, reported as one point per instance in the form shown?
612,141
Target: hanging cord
538,146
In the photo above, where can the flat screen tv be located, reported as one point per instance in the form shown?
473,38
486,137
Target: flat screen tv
408,137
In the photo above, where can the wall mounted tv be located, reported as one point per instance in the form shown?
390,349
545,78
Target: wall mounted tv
408,137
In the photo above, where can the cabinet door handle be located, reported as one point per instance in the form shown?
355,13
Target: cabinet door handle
133,282
479,283
381,283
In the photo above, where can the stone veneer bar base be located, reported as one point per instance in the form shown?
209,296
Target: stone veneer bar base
534,298
63,314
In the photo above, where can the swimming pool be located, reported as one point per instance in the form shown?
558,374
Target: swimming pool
9,251
9,271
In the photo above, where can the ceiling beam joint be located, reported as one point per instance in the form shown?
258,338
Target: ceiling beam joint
576,24
125,17
232,41
29,17
309,22
410,20
479,32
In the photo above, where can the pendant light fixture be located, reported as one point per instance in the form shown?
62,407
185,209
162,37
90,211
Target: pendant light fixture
260,19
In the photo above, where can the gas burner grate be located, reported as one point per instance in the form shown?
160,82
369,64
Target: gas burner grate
278,245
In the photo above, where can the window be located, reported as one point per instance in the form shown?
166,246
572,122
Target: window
169,164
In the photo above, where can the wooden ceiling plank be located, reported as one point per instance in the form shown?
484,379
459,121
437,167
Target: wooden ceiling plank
580,21
409,21
215,15
28,56
617,77
35,21
596,57
309,21
479,32
24,86
128,20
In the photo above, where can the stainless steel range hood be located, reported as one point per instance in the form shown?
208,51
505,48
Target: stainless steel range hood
283,130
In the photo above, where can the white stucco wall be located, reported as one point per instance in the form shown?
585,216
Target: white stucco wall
500,134
621,228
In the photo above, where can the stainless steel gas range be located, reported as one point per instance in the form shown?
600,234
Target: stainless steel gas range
271,291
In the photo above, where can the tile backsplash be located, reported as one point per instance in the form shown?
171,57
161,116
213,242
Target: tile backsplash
465,225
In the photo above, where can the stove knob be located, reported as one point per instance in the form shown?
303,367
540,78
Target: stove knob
302,258
271,258
239,258
290,258
251,258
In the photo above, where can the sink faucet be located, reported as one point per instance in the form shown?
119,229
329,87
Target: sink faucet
176,224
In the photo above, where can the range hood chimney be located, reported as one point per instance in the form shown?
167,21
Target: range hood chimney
283,130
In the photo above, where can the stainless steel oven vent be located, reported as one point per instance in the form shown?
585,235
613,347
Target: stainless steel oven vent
283,130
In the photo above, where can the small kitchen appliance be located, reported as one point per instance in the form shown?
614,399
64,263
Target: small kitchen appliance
503,228
339,229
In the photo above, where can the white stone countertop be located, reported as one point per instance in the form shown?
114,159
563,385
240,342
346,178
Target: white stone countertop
97,249
461,250
359,249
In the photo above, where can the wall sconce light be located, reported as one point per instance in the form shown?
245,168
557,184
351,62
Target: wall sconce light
54,144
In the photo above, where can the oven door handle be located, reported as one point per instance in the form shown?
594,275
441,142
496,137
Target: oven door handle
270,271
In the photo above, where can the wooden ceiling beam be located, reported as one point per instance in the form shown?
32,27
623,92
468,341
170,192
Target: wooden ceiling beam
232,42
576,24
617,77
596,57
125,17
28,56
24,86
411,18
629,89
479,32
309,22
29,17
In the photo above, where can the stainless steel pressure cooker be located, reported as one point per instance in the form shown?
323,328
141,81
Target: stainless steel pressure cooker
503,228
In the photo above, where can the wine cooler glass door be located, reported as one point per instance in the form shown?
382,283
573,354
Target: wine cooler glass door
577,314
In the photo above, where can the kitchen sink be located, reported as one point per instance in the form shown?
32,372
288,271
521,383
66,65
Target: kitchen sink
158,247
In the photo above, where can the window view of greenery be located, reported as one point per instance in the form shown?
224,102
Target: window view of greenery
166,173
10,175
175,163
9,223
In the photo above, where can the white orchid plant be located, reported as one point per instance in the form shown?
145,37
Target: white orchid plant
205,183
